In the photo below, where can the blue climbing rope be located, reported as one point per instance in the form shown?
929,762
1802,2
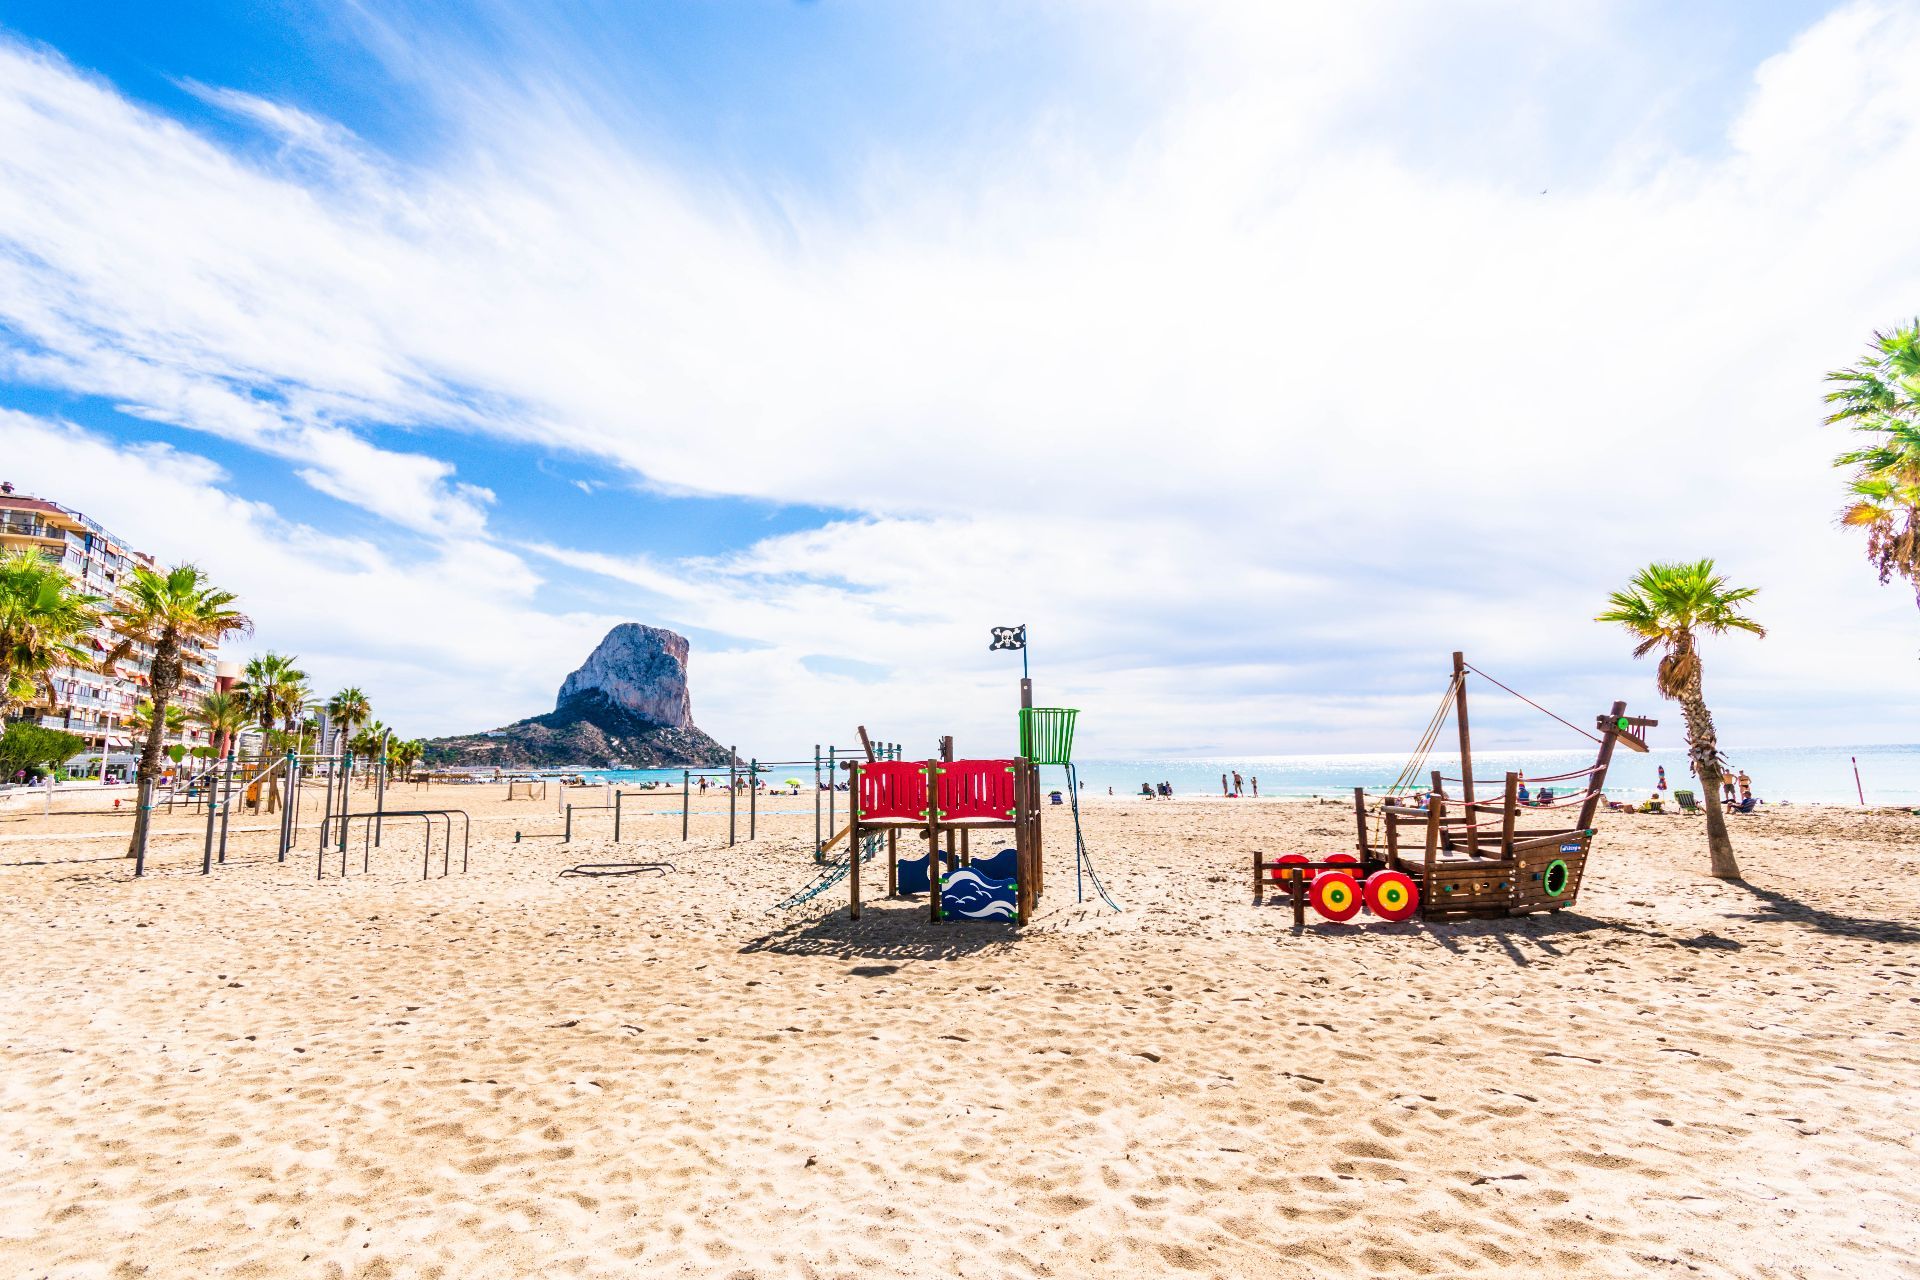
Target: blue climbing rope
833,875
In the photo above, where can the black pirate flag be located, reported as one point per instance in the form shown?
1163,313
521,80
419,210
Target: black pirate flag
1009,637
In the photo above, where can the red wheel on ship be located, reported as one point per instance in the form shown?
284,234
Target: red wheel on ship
1280,873
1335,895
1392,895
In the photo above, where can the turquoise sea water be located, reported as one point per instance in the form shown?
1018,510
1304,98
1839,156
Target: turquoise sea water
1890,775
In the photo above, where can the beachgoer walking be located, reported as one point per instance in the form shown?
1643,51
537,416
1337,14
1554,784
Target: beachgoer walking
1239,788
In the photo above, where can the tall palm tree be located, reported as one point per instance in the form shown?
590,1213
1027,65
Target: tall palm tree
1665,605
165,612
273,689
42,617
222,715
346,709
1878,396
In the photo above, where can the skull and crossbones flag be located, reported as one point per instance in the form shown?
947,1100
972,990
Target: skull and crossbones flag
1009,637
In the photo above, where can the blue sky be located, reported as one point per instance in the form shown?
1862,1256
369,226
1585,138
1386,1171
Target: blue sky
1255,358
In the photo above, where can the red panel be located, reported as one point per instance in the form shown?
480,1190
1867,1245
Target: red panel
893,789
975,789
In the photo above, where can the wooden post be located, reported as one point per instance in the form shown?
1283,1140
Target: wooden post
933,845
865,744
893,864
1466,748
853,837
1598,778
1360,819
1509,814
1436,811
946,757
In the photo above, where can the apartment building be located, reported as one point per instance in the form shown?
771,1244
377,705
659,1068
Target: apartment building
91,703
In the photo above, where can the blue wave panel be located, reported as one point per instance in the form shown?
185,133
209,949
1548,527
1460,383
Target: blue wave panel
1004,865
967,895
912,876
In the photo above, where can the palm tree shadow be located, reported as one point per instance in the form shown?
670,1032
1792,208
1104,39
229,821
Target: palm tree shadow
1520,936
884,931
1775,907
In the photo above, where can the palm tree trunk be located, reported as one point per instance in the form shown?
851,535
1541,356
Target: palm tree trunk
1703,744
165,673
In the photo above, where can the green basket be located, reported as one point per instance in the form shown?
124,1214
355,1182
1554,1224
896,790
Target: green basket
1046,734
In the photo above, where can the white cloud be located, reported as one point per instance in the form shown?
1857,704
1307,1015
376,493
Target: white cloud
1242,415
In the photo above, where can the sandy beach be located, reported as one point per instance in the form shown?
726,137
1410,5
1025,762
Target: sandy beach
514,1073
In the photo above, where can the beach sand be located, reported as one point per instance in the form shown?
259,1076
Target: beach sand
511,1073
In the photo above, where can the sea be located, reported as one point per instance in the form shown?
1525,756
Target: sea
1874,775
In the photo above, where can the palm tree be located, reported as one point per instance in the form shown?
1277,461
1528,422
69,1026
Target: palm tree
346,709
406,756
273,691
222,715
370,744
1879,397
42,618
165,612
142,718
1665,605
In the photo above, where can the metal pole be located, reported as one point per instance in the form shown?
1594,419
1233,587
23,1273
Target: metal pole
326,809
816,803
144,818
226,807
1858,789
346,804
206,851
380,793
832,773
617,796
753,799
287,809
568,837
686,795
733,793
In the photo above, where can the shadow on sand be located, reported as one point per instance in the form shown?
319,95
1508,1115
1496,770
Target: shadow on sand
1775,907
886,930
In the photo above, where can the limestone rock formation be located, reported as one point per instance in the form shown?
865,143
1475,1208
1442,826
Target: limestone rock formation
642,670
627,706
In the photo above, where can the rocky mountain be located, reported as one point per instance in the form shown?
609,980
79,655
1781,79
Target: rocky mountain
628,705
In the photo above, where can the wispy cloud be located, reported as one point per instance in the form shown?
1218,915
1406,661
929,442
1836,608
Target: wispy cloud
1244,407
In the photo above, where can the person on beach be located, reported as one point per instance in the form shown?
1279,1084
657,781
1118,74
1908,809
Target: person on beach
1746,785
1239,788
1523,795
1225,790
1726,785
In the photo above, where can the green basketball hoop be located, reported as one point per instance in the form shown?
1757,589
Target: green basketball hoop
1046,734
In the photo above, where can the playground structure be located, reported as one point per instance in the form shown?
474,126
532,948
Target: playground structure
1480,862
945,802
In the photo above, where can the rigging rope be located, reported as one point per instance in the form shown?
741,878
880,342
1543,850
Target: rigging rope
1530,702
